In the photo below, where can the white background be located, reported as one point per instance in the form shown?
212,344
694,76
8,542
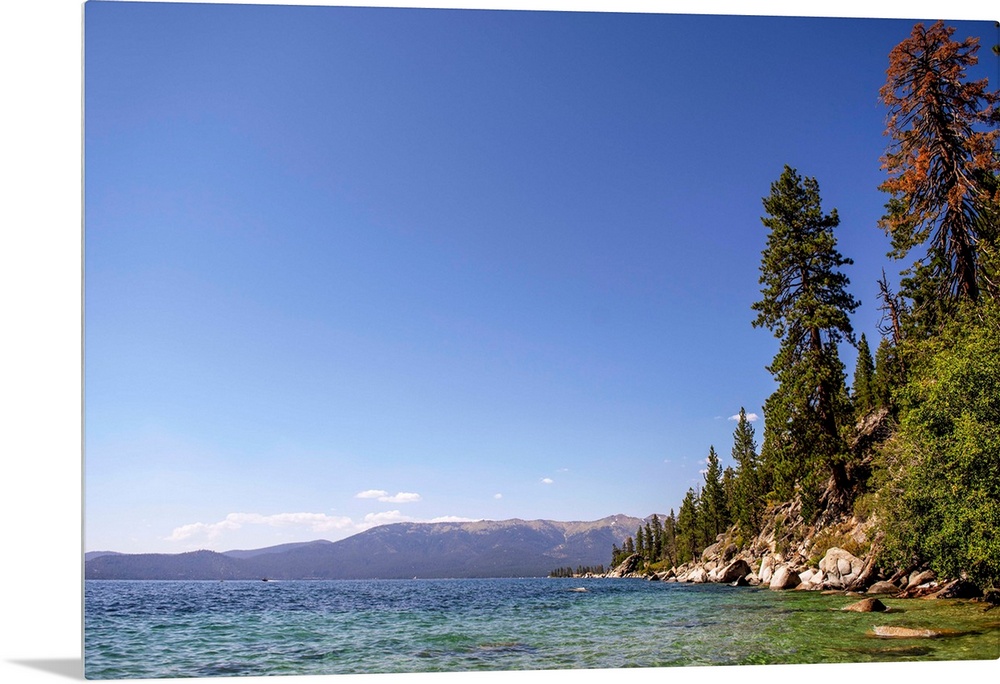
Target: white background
40,348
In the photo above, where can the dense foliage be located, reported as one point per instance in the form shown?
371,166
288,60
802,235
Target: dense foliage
935,376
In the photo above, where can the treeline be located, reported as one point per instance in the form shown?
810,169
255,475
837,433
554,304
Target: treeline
579,572
934,486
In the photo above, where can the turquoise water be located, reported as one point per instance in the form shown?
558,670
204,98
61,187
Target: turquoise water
201,629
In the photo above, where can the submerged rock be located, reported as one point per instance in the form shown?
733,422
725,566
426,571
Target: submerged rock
892,632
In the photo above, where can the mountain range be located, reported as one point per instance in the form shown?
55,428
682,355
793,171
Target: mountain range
486,548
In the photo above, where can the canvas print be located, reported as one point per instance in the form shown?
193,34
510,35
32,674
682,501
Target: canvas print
446,340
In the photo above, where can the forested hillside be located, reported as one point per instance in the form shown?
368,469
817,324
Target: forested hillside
910,450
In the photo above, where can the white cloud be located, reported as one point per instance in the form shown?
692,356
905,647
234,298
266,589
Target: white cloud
371,494
315,522
382,495
453,518
547,480
498,496
401,497
385,518
751,417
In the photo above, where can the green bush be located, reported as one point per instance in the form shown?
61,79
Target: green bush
940,475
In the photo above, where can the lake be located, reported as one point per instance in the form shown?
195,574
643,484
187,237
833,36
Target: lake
158,629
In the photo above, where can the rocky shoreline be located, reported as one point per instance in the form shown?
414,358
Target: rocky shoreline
833,556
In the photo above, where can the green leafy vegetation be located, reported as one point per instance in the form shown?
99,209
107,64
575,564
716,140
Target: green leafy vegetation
930,480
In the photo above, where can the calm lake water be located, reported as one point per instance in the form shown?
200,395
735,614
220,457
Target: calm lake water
200,629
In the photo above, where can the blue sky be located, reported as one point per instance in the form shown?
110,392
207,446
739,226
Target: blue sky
352,266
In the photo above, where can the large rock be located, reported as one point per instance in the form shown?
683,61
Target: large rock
917,578
868,605
736,570
698,576
840,567
627,566
766,569
784,578
883,587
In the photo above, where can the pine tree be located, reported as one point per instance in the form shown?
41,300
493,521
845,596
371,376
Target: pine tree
748,488
863,377
688,528
942,165
713,499
640,544
657,540
888,375
806,305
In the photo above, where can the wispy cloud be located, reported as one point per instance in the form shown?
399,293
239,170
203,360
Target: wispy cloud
384,518
315,522
401,497
547,480
751,417
498,496
453,518
382,495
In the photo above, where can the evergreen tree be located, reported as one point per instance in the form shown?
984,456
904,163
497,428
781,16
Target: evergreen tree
629,547
657,541
749,487
942,166
688,528
888,375
715,517
670,539
640,544
807,306
863,378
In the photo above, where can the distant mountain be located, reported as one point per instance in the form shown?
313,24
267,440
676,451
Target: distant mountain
506,548
280,548
97,554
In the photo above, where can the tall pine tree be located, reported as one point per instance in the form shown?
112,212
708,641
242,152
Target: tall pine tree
942,166
806,305
749,487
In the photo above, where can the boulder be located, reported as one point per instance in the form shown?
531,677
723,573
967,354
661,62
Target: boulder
627,566
783,578
883,587
698,576
918,578
710,552
741,582
729,552
766,569
840,567
868,605
736,570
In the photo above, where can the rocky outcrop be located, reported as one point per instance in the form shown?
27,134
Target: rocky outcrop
628,567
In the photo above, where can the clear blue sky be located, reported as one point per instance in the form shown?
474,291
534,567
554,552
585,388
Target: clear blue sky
350,266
